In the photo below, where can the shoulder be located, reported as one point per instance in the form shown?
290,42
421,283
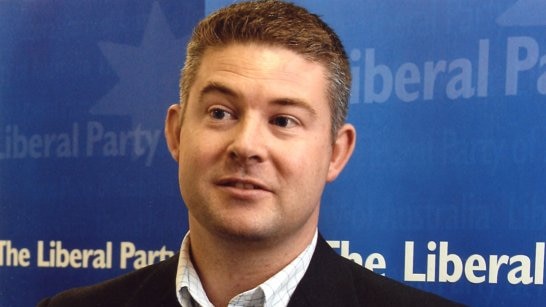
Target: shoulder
120,290
370,287
332,280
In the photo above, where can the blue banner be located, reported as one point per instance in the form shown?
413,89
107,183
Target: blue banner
445,191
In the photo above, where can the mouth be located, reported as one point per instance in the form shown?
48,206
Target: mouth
242,184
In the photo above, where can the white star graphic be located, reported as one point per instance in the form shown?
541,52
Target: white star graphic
524,13
148,74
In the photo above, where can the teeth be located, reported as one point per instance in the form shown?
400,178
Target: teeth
245,186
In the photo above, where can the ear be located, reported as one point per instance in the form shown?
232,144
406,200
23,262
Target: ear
173,123
342,149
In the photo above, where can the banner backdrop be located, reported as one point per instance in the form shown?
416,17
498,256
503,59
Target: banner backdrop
445,191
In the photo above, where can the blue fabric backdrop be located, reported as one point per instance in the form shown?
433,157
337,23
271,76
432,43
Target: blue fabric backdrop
445,191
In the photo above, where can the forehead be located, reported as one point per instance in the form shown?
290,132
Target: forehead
268,69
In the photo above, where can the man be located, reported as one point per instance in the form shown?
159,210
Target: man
258,133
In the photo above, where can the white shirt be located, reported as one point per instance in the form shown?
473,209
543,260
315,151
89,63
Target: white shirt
276,291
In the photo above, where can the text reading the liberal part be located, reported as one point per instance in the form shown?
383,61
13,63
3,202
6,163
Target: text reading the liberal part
434,263
53,254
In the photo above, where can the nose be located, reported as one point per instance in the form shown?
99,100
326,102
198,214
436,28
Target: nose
248,142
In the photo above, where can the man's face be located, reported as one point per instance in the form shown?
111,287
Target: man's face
254,146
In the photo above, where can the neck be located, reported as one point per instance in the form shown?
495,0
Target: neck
229,267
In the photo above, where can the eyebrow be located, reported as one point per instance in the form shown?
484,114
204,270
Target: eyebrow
223,89
219,88
296,103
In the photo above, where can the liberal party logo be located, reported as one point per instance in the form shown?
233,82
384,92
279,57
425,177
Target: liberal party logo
127,121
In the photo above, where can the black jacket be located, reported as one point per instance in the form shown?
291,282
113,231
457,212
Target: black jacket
330,280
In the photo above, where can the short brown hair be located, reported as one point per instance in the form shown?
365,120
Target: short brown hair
275,23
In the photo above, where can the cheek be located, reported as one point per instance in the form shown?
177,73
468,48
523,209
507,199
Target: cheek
199,155
193,145
307,163
188,158
193,168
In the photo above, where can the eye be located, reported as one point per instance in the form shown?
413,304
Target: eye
220,114
284,121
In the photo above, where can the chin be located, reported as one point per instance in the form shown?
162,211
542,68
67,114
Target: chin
248,234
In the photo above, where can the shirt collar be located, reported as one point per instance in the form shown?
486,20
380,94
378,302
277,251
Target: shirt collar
276,291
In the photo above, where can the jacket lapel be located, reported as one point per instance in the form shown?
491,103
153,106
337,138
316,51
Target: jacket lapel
158,289
325,282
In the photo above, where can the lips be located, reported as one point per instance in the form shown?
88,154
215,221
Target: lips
242,184
245,186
